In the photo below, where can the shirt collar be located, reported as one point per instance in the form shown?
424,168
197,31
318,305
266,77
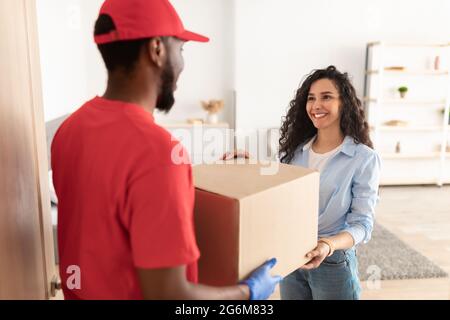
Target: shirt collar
308,145
348,146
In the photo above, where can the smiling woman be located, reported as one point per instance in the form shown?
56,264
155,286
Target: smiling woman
330,87
325,130
323,106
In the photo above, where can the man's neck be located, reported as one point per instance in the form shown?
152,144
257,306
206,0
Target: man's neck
131,90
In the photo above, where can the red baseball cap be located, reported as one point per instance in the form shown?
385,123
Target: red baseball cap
140,19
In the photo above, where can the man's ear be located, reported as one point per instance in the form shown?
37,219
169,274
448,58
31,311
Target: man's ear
158,51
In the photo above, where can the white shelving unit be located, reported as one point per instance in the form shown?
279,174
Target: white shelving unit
416,150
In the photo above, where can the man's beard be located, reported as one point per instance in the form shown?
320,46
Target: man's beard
166,99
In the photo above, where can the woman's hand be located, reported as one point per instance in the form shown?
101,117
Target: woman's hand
317,256
236,154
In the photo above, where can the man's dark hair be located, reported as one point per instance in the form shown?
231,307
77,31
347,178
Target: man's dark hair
119,54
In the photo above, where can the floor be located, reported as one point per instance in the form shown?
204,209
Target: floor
420,216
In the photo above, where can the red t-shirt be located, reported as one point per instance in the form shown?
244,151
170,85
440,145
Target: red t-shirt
122,202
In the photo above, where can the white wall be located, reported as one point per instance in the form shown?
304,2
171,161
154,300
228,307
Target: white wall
278,42
209,70
261,48
73,71
70,64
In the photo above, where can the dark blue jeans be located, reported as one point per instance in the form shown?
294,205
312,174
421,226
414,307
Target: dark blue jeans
335,279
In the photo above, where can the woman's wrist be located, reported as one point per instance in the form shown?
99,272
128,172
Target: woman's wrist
330,245
324,248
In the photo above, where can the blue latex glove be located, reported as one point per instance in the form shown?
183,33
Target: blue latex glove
261,283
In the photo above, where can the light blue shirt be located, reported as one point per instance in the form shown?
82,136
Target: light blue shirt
348,189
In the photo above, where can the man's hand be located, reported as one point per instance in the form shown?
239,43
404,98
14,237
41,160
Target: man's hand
261,283
317,256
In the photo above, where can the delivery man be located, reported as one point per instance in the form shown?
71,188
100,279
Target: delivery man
125,209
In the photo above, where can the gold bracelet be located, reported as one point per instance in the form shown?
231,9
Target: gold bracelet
330,244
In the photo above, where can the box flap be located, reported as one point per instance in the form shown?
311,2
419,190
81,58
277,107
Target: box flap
238,181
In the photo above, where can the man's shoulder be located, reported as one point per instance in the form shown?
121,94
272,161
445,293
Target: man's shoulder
69,119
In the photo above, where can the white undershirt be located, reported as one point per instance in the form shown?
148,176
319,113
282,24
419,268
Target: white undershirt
318,161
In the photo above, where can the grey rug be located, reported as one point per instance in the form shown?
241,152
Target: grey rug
386,257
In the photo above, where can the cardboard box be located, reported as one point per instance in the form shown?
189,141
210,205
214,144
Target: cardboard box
243,218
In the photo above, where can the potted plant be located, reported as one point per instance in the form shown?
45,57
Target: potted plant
213,107
403,90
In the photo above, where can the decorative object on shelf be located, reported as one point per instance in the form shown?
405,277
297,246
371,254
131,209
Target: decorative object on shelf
398,148
213,107
395,68
195,121
437,63
396,123
403,90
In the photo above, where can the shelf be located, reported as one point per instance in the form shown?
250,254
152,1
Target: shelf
408,128
424,45
431,155
175,125
440,103
410,72
393,181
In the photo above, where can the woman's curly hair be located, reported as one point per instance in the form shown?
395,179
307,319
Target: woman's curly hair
297,128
